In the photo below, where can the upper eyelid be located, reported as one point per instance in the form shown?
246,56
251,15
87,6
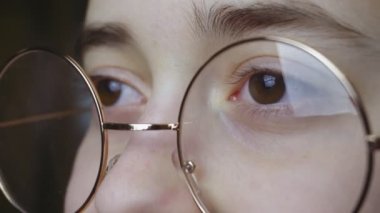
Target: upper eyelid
253,69
123,75
248,67
246,72
122,58
97,78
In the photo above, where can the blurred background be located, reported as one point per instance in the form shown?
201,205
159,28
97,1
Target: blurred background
54,25
39,23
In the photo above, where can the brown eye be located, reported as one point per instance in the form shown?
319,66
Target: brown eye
267,87
108,89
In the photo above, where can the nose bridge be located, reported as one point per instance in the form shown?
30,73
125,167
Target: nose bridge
145,179
164,104
161,112
162,108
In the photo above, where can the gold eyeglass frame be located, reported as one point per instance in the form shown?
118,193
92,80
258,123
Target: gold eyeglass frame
188,166
373,141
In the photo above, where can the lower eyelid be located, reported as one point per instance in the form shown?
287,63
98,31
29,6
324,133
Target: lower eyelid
258,111
265,121
264,113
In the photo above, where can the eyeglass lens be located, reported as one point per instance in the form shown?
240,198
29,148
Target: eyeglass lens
47,119
264,118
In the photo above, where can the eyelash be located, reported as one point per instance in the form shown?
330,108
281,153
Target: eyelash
247,71
96,79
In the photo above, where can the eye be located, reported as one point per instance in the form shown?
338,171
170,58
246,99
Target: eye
262,88
266,87
113,92
108,90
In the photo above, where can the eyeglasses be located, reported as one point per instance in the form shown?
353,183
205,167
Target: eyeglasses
270,111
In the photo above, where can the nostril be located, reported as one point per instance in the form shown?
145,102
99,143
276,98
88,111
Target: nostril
112,162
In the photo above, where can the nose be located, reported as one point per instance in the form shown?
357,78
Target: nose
147,176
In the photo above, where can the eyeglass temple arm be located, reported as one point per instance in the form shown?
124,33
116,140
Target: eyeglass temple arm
140,127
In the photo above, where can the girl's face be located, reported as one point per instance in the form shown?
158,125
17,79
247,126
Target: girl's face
142,56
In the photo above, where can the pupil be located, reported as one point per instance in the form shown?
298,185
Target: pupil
267,88
109,91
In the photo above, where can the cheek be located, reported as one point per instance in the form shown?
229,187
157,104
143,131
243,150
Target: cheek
85,170
298,170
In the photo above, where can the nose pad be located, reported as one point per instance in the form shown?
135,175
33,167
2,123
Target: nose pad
112,163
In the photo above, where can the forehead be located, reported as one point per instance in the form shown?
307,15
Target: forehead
144,18
175,16
169,26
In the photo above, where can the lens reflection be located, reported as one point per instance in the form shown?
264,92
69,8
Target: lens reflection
269,120
47,114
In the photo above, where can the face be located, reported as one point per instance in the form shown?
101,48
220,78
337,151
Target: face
253,152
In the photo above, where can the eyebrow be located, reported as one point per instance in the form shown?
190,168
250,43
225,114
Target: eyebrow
235,21
109,34
232,21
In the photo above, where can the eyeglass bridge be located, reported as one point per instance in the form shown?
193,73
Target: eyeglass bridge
140,127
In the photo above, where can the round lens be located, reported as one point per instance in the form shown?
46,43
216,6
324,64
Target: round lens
267,126
50,134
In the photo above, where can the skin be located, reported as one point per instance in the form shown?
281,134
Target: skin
320,174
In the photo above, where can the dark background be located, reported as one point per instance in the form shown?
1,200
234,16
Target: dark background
53,24
48,24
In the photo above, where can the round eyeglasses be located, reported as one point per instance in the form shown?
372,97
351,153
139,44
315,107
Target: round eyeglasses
291,122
